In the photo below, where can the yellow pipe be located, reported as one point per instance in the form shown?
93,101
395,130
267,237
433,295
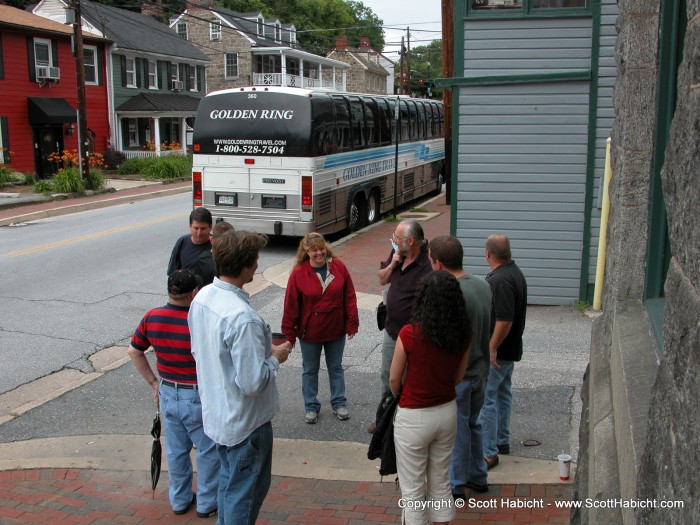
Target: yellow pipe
602,239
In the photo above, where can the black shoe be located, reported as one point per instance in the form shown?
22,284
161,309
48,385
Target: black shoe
503,449
188,507
458,497
206,514
478,488
491,461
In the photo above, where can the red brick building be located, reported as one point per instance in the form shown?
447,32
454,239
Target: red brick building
38,106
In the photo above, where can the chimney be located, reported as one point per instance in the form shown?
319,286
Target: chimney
341,42
365,43
154,9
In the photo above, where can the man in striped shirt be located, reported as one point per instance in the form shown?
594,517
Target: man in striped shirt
165,329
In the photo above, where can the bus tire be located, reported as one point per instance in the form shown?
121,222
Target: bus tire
373,207
356,213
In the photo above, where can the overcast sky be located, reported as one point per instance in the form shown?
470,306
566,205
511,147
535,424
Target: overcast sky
423,17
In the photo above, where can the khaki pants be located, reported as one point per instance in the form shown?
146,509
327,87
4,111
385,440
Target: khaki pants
424,439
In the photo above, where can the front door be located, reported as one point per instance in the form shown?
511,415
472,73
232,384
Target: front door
46,141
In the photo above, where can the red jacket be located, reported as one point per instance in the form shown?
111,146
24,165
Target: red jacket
316,315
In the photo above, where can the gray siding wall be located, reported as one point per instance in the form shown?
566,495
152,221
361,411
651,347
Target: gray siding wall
607,72
522,149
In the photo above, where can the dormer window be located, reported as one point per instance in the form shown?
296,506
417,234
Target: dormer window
292,36
278,32
261,26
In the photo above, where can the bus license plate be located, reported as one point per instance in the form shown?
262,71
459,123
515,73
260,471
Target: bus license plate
227,200
278,202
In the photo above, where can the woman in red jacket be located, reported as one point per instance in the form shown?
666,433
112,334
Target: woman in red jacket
320,308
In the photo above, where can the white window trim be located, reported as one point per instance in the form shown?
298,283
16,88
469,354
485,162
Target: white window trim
132,71
153,75
95,65
293,36
179,33
174,66
226,75
261,27
278,32
46,42
215,30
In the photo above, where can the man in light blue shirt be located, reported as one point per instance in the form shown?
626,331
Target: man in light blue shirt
236,371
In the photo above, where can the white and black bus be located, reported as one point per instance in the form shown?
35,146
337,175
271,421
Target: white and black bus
289,161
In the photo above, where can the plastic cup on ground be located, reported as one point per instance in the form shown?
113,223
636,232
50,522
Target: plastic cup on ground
564,466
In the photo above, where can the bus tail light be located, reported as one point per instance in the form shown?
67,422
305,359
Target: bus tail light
306,193
197,188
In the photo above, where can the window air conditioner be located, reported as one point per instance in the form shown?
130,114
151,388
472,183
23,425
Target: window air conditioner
48,73
178,85
216,37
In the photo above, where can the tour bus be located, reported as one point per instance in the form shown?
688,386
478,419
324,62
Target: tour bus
289,161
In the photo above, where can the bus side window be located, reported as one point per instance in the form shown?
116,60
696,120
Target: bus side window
393,124
420,106
357,123
403,121
413,123
428,119
372,120
384,127
342,125
441,120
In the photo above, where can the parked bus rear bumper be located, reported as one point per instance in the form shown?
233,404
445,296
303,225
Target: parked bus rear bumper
269,227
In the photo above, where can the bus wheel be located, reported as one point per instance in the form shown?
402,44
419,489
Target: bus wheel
373,208
355,215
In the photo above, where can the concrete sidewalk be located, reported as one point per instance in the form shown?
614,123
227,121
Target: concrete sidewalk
105,478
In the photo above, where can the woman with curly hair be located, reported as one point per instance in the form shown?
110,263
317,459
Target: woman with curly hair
320,309
430,358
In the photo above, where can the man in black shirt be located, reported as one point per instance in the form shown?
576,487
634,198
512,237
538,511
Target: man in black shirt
505,347
189,247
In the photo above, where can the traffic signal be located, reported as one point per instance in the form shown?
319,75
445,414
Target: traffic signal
420,81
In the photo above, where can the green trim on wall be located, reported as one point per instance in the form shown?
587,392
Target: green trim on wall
590,155
528,78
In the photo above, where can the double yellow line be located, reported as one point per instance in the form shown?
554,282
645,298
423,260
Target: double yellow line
96,235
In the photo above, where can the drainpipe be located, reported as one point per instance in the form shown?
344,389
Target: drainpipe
602,238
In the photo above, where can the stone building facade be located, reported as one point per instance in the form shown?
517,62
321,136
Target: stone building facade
639,435
365,74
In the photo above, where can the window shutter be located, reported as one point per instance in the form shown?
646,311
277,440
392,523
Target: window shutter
99,62
146,78
160,65
5,140
138,72
123,68
54,53
2,64
31,59
200,79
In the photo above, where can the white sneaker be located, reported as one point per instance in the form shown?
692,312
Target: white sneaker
311,417
341,413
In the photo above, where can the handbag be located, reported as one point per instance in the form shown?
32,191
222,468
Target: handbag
381,315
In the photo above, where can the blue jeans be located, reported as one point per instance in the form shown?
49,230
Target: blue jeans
495,414
311,363
246,474
388,346
182,424
467,456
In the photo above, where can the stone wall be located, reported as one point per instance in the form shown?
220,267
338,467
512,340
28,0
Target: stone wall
669,469
639,430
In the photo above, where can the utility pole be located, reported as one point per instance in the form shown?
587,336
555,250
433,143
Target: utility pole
401,82
82,106
408,60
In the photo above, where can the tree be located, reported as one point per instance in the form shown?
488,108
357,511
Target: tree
426,65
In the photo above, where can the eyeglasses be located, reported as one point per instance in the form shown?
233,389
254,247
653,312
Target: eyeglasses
395,238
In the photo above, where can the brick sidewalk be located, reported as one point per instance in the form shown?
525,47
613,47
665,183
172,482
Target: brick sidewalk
73,496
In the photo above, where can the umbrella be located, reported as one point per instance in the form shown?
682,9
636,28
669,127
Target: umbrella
156,450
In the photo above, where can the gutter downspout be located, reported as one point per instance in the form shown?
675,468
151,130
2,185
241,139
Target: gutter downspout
603,236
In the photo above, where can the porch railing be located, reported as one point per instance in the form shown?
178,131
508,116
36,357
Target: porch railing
138,154
276,79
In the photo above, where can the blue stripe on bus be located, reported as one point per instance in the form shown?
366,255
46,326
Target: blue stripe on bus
422,151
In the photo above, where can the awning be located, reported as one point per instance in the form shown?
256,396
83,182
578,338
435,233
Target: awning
43,110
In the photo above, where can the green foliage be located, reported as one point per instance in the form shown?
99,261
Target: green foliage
581,306
426,65
132,166
315,20
113,159
168,167
5,174
96,180
68,180
43,186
